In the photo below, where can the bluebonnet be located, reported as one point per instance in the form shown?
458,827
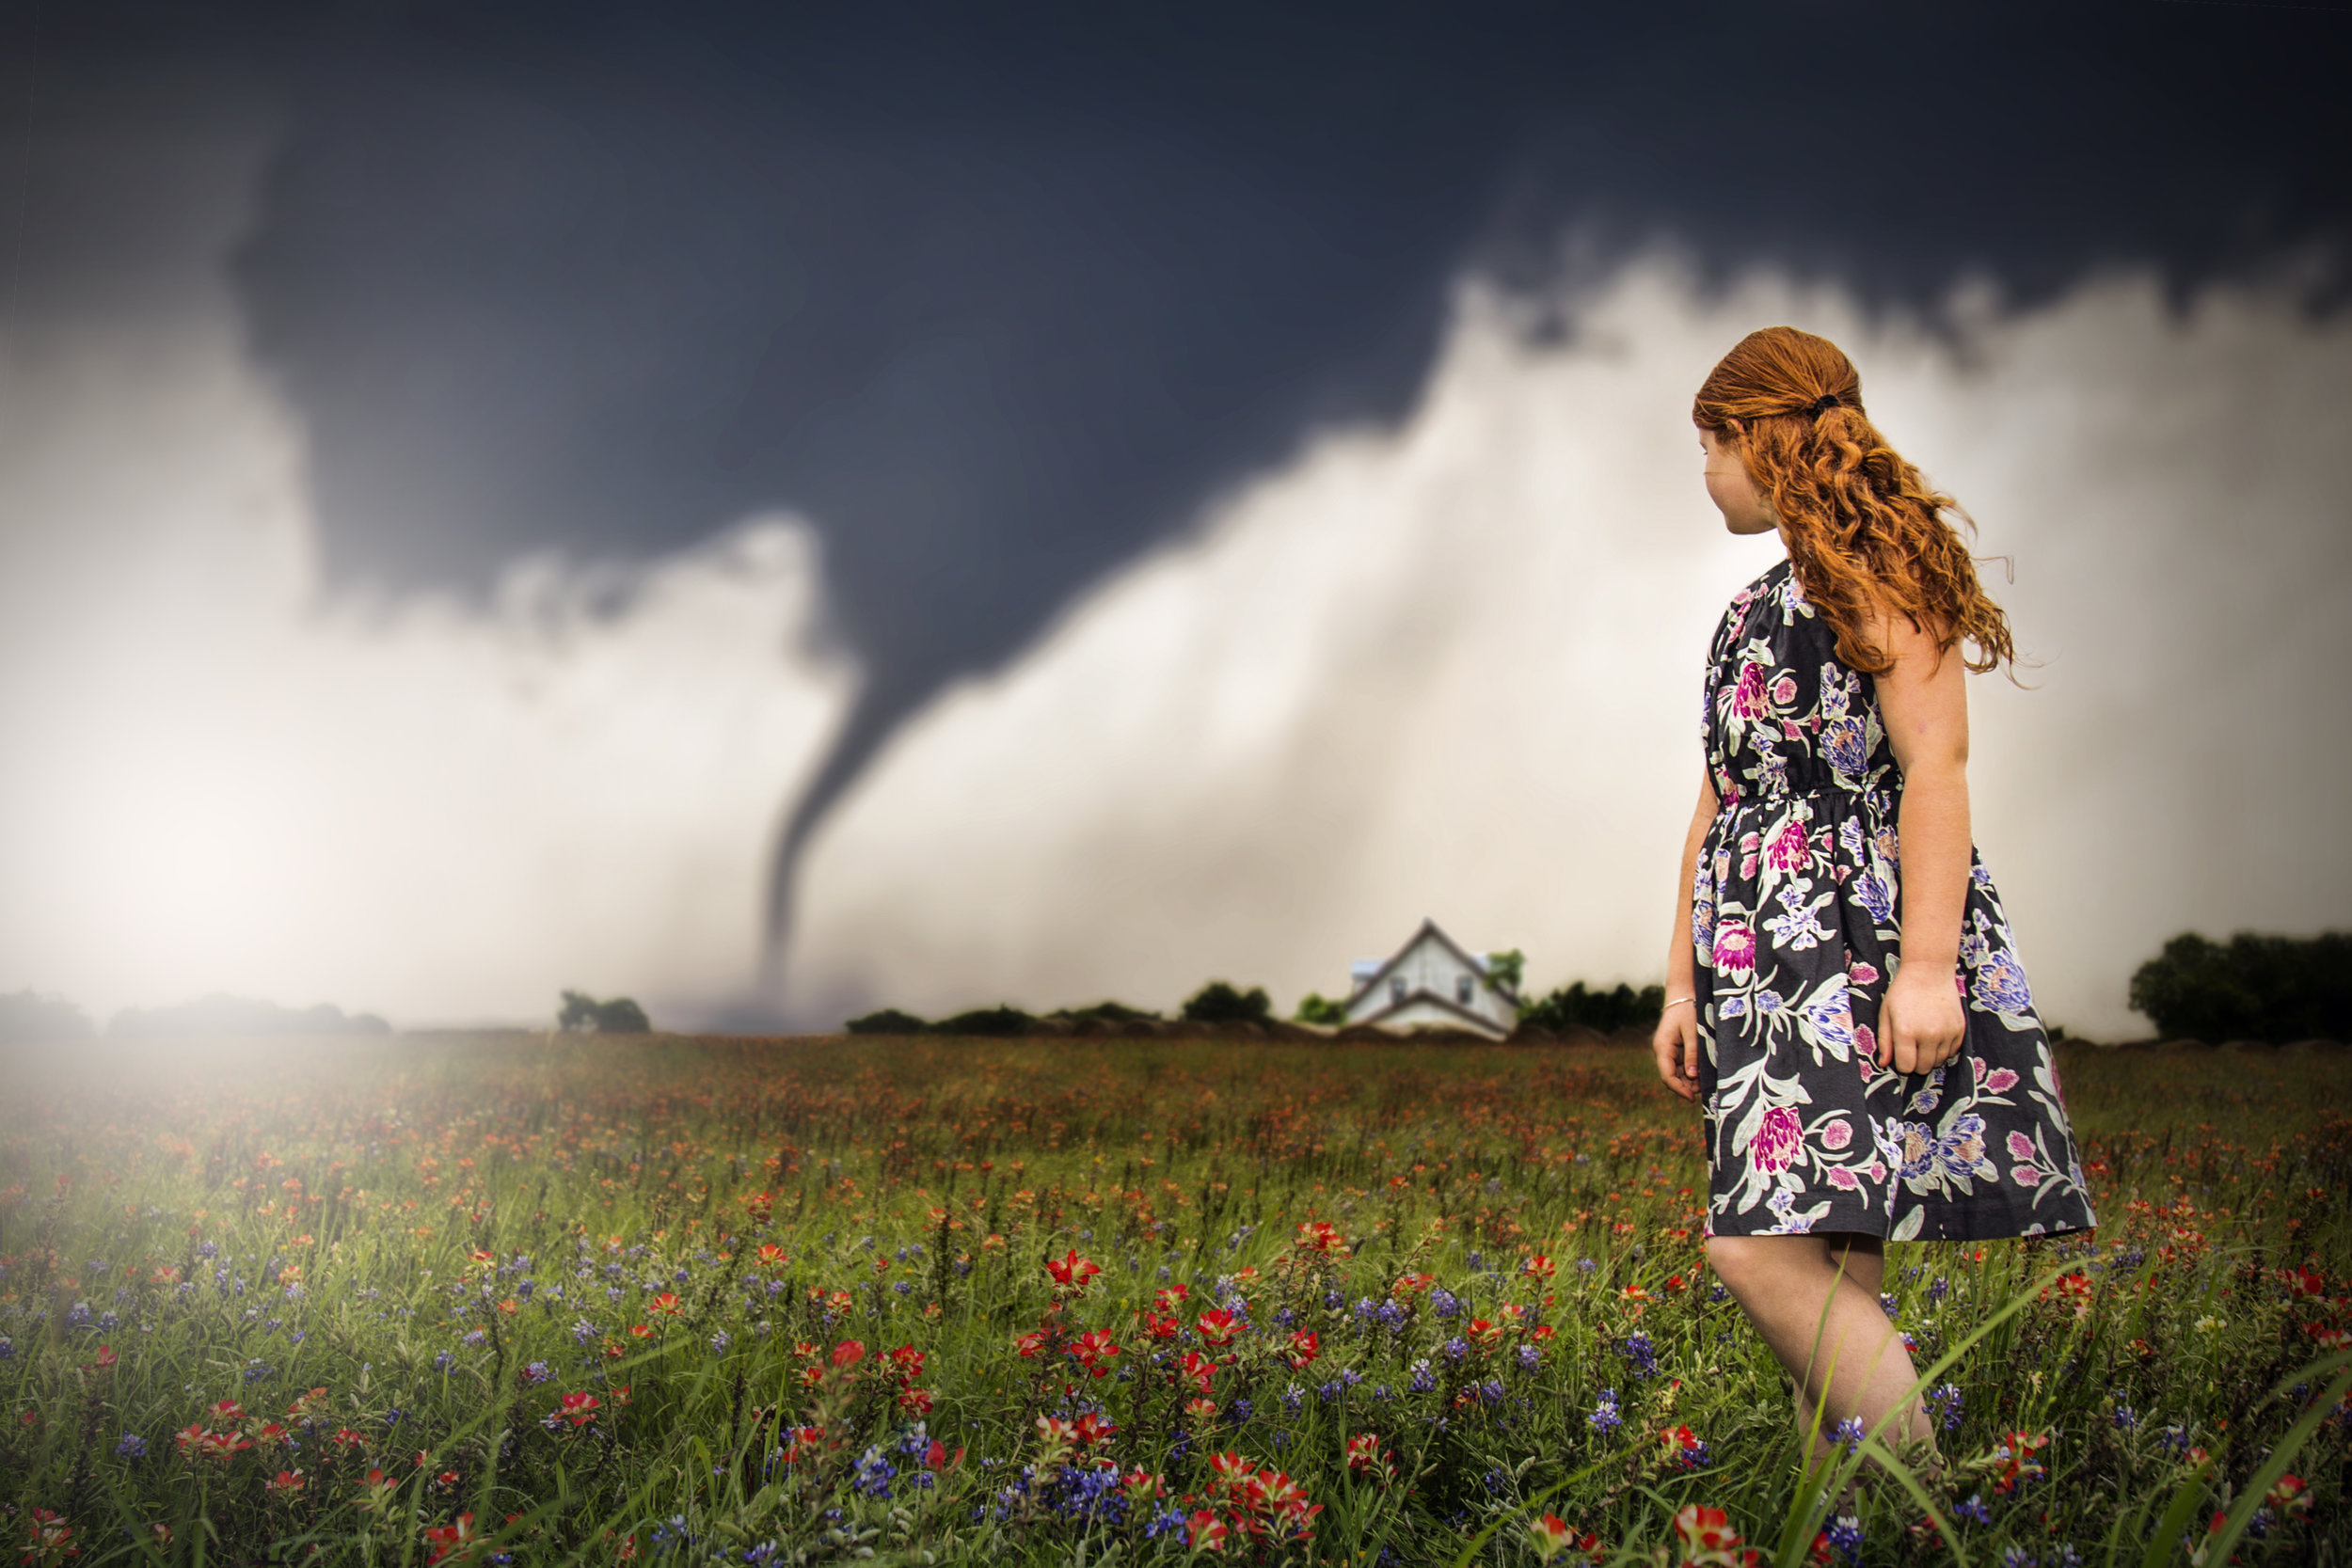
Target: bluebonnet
1640,1355
1292,1397
1848,1431
444,1361
1443,1302
1491,1390
1844,1537
719,1342
1455,1348
872,1474
1529,1359
1973,1510
1939,1288
1423,1380
8,1348
670,1534
1329,1391
1583,1266
256,1370
1886,1303
132,1446
1238,1411
1604,1418
2126,1417
583,1331
475,1341
535,1372
1944,1403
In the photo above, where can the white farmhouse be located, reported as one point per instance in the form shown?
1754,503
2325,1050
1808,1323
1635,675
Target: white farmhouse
1431,980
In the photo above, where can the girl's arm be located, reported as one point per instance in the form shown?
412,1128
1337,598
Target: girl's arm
1676,1043
1925,706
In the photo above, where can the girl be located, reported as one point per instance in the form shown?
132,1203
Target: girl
1842,992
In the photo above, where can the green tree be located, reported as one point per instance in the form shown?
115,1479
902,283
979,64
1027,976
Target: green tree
1219,1002
1317,1008
1507,969
1605,1010
2255,988
582,1014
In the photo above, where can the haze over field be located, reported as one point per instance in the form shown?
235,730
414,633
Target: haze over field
395,610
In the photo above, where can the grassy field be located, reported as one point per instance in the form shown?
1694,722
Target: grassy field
761,1302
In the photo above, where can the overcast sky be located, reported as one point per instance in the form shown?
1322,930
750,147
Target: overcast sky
780,510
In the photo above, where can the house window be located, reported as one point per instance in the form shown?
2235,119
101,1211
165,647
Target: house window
1396,988
1463,986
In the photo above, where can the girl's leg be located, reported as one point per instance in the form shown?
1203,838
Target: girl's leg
1815,1299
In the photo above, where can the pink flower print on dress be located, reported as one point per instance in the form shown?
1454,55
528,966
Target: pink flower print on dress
1837,1134
1999,1081
1783,691
1747,698
2021,1147
1859,974
1735,948
1790,850
1776,1140
1844,1179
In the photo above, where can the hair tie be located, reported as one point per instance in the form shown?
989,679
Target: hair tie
1823,404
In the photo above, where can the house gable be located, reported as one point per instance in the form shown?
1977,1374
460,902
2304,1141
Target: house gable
1432,968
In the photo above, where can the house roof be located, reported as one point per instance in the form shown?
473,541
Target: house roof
1445,1003
1431,928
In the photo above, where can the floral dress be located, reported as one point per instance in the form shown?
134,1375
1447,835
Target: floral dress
1795,917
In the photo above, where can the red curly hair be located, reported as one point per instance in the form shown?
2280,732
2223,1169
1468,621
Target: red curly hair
1864,529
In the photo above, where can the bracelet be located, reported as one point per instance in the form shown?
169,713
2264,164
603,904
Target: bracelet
1679,1000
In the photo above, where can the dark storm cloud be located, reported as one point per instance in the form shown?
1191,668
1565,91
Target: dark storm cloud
998,299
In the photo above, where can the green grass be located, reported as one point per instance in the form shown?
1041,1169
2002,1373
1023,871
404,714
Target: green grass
159,1201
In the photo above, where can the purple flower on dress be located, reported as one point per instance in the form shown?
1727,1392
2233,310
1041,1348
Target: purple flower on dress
1735,948
1960,1151
1847,751
2001,985
1776,1140
1916,1140
1871,889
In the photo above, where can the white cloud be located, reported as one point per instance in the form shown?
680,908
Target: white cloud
1452,670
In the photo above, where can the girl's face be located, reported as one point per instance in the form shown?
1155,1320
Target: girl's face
1731,490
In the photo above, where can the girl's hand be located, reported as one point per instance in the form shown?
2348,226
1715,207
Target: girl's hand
1676,1044
1921,1023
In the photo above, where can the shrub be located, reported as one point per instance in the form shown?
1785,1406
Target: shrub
1107,1012
1605,1010
2256,988
584,1015
26,1017
1000,1020
1219,1002
889,1021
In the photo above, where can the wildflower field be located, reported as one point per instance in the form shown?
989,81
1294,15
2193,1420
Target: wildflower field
555,1300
